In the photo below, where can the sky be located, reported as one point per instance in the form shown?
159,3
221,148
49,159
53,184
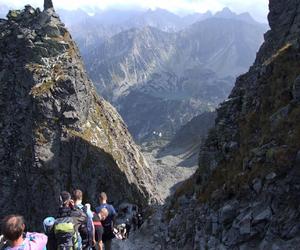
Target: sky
257,8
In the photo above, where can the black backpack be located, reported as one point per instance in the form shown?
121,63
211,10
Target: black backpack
83,227
65,234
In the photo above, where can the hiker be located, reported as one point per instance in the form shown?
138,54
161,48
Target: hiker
128,228
109,222
70,224
87,238
134,219
140,220
98,218
13,227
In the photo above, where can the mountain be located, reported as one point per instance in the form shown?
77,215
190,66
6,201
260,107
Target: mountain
166,103
92,29
158,18
245,194
160,80
56,132
192,133
226,46
186,142
196,17
226,13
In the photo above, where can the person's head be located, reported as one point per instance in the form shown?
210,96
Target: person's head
88,206
102,197
103,213
13,227
77,196
65,199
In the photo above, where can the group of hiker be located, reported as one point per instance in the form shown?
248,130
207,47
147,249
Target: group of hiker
75,227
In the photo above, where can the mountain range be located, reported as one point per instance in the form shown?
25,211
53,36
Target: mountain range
159,79
159,69
99,25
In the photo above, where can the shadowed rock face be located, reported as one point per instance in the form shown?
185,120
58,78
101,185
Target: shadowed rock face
56,132
246,192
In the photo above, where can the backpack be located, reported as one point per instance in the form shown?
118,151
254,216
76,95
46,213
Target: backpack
48,225
65,234
84,229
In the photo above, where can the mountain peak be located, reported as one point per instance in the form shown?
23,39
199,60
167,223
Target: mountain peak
227,10
228,14
225,13
162,13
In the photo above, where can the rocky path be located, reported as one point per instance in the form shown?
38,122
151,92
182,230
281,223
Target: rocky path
168,171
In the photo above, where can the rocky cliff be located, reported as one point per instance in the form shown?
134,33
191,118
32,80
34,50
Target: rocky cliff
56,132
246,192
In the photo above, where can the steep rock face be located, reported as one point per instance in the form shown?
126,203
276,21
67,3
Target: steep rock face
56,132
245,194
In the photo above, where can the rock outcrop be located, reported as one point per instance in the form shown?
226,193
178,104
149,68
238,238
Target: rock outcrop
48,4
246,192
56,132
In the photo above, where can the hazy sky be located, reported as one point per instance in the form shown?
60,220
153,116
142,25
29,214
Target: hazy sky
257,8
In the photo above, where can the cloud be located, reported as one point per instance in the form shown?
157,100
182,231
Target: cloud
258,8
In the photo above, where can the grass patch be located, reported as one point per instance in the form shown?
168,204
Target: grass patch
43,88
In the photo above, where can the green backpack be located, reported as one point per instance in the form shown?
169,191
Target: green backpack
65,234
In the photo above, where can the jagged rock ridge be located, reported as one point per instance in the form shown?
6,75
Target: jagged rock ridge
56,132
245,194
